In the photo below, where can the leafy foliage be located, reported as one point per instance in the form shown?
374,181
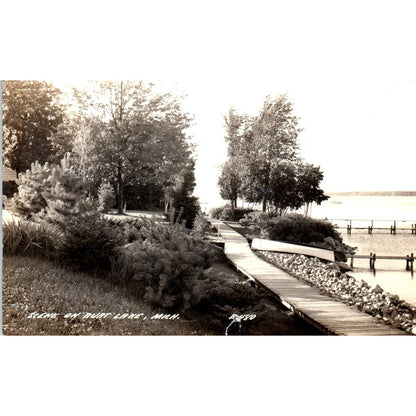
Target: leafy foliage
263,166
9,188
201,226
180,194
31,116
296,228
106,197
226,213
131,135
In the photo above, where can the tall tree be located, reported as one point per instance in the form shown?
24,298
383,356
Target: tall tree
271,139
309,178
231,180
134,135
31,116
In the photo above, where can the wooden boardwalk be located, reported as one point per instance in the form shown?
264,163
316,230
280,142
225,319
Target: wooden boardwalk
322,311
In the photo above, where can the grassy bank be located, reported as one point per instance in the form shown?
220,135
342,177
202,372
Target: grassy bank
33,285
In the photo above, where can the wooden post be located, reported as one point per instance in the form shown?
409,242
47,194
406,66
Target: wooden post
414,229
372,261
409,262
349,227
352,262
393,228
178,220
370,228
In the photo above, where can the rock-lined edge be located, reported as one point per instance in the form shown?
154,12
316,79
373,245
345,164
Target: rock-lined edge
328,278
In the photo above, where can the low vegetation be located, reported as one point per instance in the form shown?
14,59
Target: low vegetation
226,213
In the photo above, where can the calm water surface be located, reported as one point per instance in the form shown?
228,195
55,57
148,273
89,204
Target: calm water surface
391,275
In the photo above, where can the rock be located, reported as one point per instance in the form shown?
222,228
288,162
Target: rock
330,241
414,330
376,288
340,256
343,266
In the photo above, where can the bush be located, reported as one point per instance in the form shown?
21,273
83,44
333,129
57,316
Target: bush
26,238
201,226
169,263
49,192
106,197
296,228
90,242
9,188
257,218
191,208
225,213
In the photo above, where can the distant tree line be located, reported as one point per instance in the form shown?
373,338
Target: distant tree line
263,165
119,135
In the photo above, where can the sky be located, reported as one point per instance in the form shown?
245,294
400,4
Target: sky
349,68
361,134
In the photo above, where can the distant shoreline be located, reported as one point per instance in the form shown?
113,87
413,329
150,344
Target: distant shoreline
373,193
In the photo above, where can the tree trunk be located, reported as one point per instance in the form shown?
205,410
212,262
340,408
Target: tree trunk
120,190
264,203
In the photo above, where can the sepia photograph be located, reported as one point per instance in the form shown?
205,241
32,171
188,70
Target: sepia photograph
121,217
176,173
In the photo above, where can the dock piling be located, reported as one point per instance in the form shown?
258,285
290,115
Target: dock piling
409,262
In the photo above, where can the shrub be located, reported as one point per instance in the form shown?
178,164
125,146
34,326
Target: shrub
9,188
296,228
201,226
216,212
49,192
106,197
90,242
191,208
26,238
29,199
257,218
225,213
169,263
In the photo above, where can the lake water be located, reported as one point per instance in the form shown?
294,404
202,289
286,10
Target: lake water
391,275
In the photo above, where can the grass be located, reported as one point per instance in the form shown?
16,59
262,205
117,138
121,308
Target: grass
36,285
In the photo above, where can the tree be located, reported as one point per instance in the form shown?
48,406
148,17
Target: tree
231,179
133,136
262,165
284,193
180,194
272,137
31,116
309,178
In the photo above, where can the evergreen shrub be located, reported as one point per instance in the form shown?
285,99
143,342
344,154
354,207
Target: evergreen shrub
49,192
169,263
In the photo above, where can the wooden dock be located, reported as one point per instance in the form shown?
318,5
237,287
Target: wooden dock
370,227
323,312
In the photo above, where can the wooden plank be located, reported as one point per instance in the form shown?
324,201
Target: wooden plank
320,310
